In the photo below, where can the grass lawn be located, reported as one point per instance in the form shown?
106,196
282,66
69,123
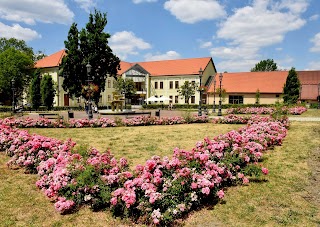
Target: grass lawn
289,195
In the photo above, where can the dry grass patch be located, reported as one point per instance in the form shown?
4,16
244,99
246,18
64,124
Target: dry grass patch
140,143
282,199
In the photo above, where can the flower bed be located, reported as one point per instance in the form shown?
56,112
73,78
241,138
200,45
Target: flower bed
101,122
298,110
157,192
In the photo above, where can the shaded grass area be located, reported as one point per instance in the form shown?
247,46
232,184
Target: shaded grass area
280,200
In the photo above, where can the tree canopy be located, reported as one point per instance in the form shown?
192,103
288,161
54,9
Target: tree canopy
47,91
187,90
291,90
126,86
90,45
16,62
265,65
35,94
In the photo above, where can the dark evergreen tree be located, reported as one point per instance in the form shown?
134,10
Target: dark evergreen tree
88,46
265,65
35,95
291,88
47,91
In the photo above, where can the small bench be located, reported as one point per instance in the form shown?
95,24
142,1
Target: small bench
50,115
132,114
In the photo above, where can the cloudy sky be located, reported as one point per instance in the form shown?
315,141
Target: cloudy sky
237,34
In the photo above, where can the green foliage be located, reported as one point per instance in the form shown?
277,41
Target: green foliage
88,46
258,96
223,93
265,65
187,90
16,62
291,88
47,91
35,94
126,86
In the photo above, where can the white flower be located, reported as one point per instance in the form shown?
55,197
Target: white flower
87,198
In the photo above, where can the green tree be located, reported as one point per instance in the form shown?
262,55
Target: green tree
88,46
291,89
15,64
16,44
265,65
35,94
125,86
187,90
258,96
47,91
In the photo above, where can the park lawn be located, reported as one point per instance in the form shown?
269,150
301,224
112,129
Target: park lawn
284,198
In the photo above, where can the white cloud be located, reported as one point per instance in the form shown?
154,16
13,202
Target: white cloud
86,4
205,45
126,43
262,24
192,11
314,17
18,32
279,49
235,65
30,11
316,42
170,55
314,65
141,1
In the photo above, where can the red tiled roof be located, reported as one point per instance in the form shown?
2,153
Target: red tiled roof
188,66
124,66
52,60
309,77
250,82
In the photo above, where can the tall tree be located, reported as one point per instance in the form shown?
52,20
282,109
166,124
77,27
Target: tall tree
265,65
187,90
291,90
15,63
35,94
125,86
47,91
88,46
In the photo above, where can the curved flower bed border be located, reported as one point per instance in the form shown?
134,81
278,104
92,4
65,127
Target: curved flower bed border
158,192
101,122
298,110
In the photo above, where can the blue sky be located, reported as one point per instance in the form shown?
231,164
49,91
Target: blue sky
237,34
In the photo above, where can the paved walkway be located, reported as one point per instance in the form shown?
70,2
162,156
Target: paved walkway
163,113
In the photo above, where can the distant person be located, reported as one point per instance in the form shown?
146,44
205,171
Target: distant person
170,106
86,107
96,109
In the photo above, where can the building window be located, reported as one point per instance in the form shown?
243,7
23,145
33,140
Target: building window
114,83
109,83
193,99
176,85
235,99
171,85
193,83
109,98
170,98
277,96
176,99
161,85
155,85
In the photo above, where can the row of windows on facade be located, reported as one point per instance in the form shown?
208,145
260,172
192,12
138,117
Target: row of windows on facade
159,85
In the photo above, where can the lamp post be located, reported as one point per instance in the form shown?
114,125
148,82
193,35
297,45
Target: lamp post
214,94
13,96
319,96
220,95
200,91
90,115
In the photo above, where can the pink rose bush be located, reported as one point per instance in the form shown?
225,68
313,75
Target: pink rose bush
101,122
297,110
158,192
